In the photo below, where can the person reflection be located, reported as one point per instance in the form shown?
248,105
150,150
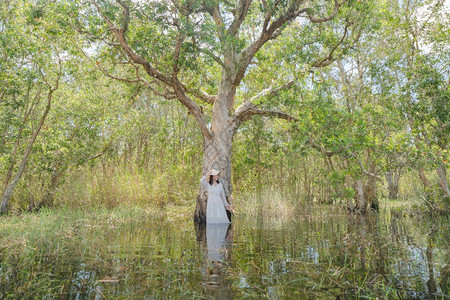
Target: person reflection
215,241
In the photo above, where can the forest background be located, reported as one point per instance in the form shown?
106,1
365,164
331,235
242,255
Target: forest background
367,93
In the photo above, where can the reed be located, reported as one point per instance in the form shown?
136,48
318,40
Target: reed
34,246
270,203
110,186
150,252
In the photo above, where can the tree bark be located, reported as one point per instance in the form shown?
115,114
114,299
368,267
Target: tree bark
423,177
216,155
217,144
361,203
370,192
392,178
442,173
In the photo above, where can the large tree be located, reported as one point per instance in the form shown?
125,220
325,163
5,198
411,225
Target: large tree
213,56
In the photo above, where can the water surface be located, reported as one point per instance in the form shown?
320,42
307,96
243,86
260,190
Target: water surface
321,254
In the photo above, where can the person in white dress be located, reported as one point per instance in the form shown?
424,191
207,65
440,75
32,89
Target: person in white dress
217,203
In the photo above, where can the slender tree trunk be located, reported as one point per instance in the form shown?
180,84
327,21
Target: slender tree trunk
423,177
10,188
370,189
13,158
27,113
392,178
370,193
350,203
362,222
361,203
442,173
306,182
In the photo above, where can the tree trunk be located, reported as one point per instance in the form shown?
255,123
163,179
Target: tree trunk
392,178
10,188
361,203
370,193
350,203
423,177
431,283
216,155
27,114
442,173
217,145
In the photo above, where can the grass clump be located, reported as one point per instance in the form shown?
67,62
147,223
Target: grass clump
269,203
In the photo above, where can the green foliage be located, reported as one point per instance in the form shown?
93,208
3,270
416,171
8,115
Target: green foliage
381,106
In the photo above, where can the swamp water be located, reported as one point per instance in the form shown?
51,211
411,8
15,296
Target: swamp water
322,254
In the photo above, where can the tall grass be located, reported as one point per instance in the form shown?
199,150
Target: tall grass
111,186
42,253
269,203
46,254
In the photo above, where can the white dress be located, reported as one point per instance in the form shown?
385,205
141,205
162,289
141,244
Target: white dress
215,208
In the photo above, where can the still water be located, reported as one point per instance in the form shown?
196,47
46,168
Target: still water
319,255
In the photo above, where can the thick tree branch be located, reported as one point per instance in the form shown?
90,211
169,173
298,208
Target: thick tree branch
120,35
214,11
169,95
176,56
205,97
104,40
268,14
172,81
193,108
137,79
273,30
245,57
272,91
180,89
126,15
249,113
251,103
269,113
363,169
250,108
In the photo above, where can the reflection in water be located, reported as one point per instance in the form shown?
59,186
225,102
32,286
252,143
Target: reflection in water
215,241
327,255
